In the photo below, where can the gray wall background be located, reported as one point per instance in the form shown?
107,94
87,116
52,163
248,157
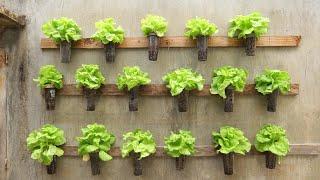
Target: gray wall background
299,115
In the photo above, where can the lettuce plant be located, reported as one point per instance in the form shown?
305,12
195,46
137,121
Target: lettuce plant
272,138
95,138
154,24
225,76
62,29
183,79
241,26
271,80
44,143
49,75
200,27
89,76
138,141
132,77
108,32
231,139
180,144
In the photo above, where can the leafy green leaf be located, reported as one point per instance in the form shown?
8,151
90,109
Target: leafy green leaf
49,75
132,77
95,138
225,76
62,29
241,26
154,24
104,156
231,139
43,143
90,76
107,32
271,80
181,143
272,138
183,79
138,141
200,27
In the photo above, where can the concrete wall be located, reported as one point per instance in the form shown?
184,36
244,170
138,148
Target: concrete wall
299,115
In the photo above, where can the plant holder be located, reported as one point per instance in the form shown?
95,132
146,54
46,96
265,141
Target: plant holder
228,163
137,164
91,96
228,103
271,160
50,97
133,99
250,44
95,166
65,51
183,101
110,51
153,45
202,45
180,161
272,101
51,169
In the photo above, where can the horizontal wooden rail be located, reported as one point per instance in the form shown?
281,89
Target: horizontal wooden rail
207,151
8,19
159,90
182,42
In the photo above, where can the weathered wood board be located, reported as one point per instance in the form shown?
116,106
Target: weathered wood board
207,151
161,90
181,42
299,114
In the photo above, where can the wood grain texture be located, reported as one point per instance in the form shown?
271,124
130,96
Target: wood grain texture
8,19
181,42
160,90
3,117
207,151
159,114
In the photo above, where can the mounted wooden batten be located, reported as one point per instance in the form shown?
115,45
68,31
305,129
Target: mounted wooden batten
182,42
160,90
10,20
208,151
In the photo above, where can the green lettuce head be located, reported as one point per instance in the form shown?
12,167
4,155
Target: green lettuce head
271,80
89,76
154,24
225,76
108,32
49,75
180,144
183,79
62,29
241,26
95,139
132,77
272,138
200,27
138,141
231,139
44,143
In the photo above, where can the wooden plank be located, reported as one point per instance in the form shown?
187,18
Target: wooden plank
208,151
182,42
9,19
3,115
3,58
160,90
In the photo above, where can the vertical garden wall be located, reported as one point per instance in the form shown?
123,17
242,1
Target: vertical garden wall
26,110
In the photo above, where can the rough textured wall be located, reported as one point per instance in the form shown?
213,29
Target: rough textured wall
299,115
